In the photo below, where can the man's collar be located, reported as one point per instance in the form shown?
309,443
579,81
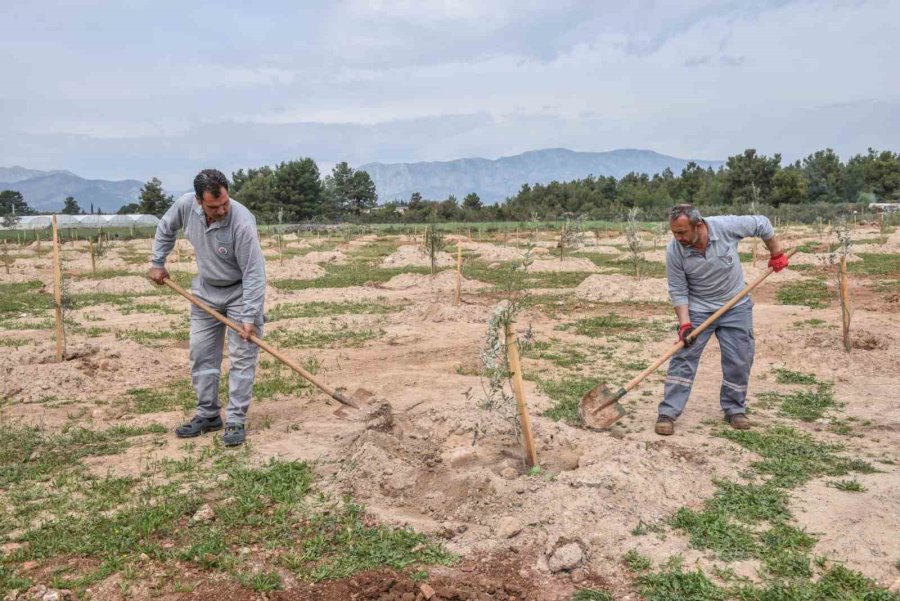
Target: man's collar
709,231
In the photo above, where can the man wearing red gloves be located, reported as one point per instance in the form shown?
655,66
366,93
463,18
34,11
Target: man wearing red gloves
704,272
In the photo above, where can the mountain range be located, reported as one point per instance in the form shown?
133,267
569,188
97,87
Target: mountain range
495,180
46,191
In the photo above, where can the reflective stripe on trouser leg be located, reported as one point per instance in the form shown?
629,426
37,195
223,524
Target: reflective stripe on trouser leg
207,338
682,369
242,358
242,355
735,334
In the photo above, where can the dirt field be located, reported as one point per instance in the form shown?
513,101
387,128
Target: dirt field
424,494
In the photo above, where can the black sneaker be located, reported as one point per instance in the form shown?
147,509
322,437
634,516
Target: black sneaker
199,425
234,434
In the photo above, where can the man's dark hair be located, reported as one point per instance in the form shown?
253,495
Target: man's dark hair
689,211
210,180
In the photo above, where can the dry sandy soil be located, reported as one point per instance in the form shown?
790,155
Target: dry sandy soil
440,464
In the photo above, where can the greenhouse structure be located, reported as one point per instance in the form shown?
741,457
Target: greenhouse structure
40,222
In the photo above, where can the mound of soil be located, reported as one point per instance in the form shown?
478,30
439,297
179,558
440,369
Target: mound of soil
414,256
89,372
618,288
295,270
443,281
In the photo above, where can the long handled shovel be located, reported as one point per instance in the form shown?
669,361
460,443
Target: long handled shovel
600,407
357,400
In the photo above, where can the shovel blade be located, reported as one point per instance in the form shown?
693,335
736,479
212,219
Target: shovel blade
600,407
357,400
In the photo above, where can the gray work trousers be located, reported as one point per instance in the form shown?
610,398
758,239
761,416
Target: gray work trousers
734,330
207,341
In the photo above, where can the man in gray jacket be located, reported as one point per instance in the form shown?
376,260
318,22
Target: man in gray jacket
232,280
704,273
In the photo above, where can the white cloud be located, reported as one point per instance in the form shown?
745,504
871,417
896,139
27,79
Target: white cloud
699,78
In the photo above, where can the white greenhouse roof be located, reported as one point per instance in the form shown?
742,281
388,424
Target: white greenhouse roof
34,222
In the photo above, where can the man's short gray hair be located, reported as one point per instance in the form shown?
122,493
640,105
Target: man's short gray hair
689,211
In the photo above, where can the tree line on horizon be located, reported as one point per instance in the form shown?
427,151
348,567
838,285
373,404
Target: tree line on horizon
294,191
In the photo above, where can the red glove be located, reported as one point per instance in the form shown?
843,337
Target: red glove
683,332
778,262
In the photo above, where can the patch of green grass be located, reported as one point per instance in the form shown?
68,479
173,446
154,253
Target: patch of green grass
323,309
105,274
177,395
24,297
560,354
277,382
712,529
273,505
836,584
787,376
566,396
10,580
158,308
637,562
810,293
153,338
807,406
848,485
603,325
346,275
13,342
883,265
678,585
792,457
590,594
342,545
749,503
32,453
810,323
784,551
323,339
260,581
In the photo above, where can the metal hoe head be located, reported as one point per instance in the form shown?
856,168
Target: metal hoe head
600,407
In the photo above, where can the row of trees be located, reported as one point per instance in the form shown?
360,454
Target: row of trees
817,183
295,191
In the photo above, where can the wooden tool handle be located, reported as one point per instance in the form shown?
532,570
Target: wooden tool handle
261,344
696,331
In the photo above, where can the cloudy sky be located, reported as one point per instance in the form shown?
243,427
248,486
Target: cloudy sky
135,89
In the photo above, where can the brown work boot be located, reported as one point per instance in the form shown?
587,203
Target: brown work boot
738,421
665,425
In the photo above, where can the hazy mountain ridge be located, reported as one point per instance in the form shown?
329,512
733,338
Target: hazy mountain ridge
494,180
9,175
47,190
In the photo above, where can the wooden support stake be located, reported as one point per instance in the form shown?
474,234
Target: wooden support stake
845,303
518,386
93,258
458,272
57,294
6,257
